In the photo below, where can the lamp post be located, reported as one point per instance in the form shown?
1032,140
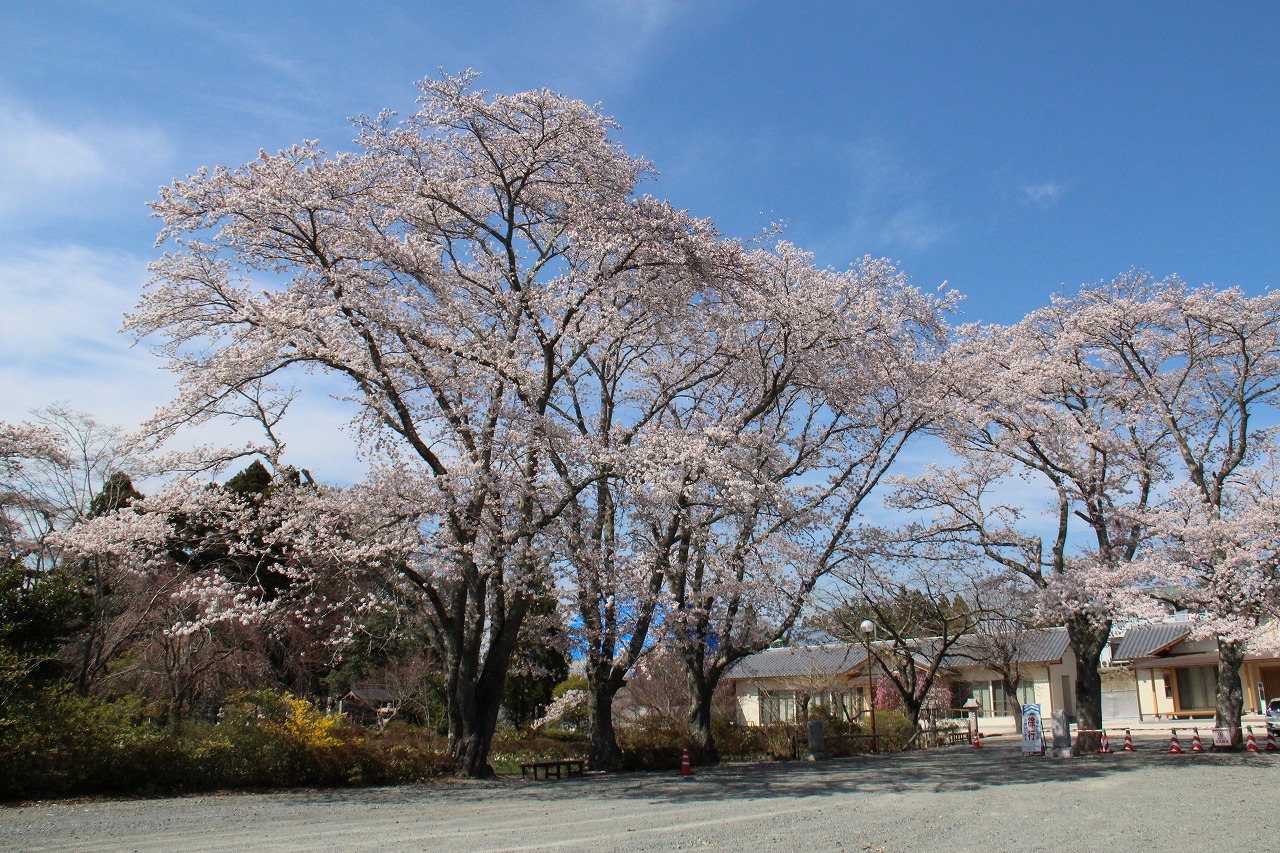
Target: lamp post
868,628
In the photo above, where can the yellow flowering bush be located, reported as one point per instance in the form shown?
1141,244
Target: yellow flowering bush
307,727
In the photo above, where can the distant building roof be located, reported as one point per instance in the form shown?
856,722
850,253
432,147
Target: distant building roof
1046,645
1144,641
371,695
1042,645
800,660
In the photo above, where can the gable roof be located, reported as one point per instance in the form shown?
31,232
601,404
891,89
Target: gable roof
371,695
1042,645
1144,641
799,661
1046,645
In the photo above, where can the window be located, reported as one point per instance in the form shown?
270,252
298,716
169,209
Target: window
1197,687
840,704
777,707
1000,702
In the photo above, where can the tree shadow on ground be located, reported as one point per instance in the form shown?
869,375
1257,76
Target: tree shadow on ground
931,771
927,771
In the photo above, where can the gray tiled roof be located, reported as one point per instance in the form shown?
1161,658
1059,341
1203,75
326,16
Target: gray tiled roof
800,660
1042,646
1143,641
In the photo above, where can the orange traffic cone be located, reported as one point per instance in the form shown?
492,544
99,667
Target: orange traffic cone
1250,745
1105,749
1128,741
686,769
1195,741
977,744
1271,742
1174,748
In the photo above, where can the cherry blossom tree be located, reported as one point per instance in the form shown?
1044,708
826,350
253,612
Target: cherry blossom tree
1205,364
611,411
833,373
56,470
1222,565
912,600
1001,637
51,470
453,272
1032,404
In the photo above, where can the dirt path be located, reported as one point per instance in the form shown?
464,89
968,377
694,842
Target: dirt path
958,799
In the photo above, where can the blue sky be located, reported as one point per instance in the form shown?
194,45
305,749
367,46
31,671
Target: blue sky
1011,149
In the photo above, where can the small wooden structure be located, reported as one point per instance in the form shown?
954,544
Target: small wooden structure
570,766
370,705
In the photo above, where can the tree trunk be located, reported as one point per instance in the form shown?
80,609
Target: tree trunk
1011,686
473,718
1088,639
474,690
603,752
1230,699
702,744
911,707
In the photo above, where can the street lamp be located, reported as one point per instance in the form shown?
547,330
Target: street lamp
868,628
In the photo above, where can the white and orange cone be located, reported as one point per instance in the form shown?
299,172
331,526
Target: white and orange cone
1105,748
1174,747
686,769
1195,741
977,744
1250,745
1128,741
1271,743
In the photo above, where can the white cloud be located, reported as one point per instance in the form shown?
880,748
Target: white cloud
915,226
60,342
892,206
49,169
1042,194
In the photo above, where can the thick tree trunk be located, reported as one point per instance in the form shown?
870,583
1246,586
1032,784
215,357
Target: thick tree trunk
1230,699
474,690
473,718
1088,639
603,752
702,744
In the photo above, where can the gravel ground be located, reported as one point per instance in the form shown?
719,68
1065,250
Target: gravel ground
957,799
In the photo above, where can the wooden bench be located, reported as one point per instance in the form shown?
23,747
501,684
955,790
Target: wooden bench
874,739
571,766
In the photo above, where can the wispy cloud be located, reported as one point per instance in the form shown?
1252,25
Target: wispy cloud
48,169
59,337
1042,194
892,207
261,49
608,42
60,342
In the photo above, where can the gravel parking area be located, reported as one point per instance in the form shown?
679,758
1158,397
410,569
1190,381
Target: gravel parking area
957,799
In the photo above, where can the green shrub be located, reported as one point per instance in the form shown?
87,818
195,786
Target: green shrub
651,748
512,747
738,743
55,742
59,744
894,728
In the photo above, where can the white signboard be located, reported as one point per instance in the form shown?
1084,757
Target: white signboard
1032,731
1222,737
